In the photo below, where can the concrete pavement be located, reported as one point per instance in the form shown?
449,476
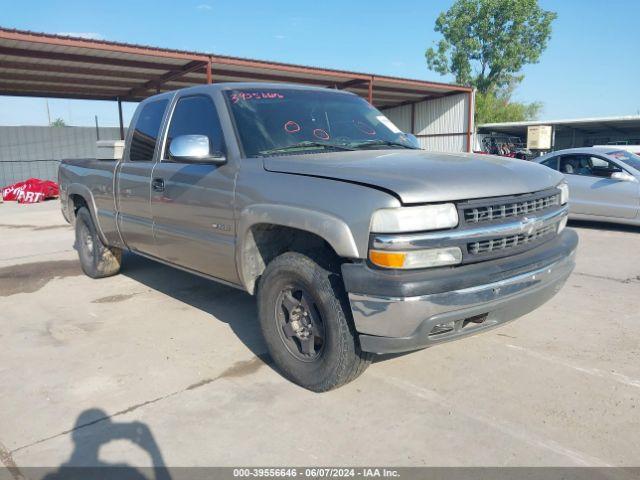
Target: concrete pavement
158,366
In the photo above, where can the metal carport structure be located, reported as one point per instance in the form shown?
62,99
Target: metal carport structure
576,132
46,65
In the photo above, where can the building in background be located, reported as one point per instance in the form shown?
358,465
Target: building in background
442,124
580,132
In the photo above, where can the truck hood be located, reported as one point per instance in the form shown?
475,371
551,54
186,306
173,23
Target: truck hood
417,176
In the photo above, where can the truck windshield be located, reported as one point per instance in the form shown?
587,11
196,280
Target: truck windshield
292,121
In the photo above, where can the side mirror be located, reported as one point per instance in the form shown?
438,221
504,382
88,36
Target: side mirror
623,177
194,149
412,139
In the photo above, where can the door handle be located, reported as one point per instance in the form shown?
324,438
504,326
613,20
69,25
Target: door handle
157,185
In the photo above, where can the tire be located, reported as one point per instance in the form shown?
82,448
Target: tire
96,259
333,357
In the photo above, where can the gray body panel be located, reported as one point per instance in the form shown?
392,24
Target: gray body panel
133,195
133,192
204,218
193,219
603,197
598,198
337,211
417,176
93,180
201,220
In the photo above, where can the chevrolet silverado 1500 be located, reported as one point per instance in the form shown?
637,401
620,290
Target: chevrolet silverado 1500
354,241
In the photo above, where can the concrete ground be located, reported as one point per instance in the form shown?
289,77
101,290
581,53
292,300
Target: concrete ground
156,366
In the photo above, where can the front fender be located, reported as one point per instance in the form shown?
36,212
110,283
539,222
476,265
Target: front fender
331,228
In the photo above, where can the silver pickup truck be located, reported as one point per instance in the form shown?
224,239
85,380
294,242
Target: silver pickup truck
354,241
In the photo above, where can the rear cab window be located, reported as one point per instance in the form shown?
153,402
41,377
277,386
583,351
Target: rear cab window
146,130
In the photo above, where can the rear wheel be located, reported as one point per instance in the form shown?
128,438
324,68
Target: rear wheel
306,323
96,259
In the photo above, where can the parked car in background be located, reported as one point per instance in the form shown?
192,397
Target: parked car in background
628,148
604,182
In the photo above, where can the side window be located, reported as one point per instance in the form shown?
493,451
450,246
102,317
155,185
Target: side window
599,162
588,166
551,163
195,115
575,165
603,168
145,133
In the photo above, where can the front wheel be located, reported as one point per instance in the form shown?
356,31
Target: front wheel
96,259
306,324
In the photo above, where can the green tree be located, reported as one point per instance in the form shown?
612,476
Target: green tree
487,42
58,122
497,106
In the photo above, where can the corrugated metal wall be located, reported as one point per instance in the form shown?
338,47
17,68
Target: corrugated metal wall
400,116
27,152
568,137
441,124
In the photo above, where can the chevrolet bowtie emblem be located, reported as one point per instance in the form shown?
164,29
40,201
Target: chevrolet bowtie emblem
529,225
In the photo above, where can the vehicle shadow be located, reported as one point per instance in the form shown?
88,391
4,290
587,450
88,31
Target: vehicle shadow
614,227
227,304
85,459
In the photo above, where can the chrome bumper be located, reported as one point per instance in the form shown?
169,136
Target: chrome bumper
394,324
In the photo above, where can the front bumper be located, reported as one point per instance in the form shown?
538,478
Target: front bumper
402,323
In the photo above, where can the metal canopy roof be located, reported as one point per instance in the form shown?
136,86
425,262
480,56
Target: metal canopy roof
623,124
45,65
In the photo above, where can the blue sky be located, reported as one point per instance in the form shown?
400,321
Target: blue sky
590,68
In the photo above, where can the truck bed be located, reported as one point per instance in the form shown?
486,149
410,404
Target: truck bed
84,175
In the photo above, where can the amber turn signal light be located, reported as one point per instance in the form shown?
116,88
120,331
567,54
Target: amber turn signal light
387,259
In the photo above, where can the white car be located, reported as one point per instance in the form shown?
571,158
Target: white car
604,182
629,148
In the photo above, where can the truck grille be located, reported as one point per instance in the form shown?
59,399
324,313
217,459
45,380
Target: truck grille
491,228
512,241
499,210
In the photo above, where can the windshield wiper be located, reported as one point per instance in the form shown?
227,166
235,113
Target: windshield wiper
306,144
375,143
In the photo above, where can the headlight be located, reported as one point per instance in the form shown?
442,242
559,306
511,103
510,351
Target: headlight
564,192
414,219
432,257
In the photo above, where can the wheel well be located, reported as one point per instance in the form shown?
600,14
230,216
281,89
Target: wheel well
78,202
264,242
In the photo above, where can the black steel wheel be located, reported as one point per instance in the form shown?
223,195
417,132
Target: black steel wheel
299,323
307,325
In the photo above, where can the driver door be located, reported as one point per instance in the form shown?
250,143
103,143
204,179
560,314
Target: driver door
192,204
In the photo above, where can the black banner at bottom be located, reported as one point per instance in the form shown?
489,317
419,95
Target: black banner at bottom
309,473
